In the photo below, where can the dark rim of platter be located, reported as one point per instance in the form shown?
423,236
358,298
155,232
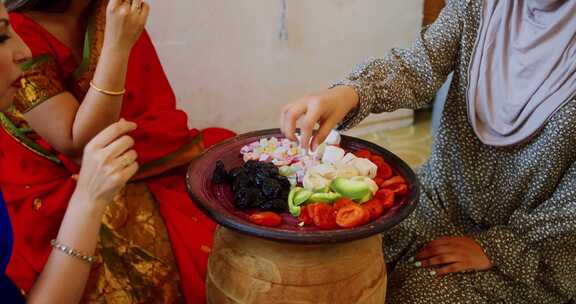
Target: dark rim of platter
321,236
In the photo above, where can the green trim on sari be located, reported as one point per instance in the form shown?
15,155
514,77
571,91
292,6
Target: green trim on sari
87,51
28,64
19,135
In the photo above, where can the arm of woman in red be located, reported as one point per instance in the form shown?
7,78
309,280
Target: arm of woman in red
78,122
109,162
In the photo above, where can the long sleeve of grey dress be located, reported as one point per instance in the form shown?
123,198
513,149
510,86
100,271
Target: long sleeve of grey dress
518,202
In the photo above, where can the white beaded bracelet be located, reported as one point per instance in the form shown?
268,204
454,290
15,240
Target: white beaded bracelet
73,252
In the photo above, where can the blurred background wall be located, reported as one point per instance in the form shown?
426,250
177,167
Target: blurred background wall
229,67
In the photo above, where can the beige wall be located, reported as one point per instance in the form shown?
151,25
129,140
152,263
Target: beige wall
228,67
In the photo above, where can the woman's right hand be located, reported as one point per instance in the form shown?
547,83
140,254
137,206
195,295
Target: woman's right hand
108,163
125,22
327,109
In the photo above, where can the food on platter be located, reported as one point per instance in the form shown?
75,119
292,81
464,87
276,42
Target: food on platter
330,188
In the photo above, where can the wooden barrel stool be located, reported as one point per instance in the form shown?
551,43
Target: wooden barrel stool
250,270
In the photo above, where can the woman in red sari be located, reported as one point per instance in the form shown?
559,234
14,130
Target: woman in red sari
154,242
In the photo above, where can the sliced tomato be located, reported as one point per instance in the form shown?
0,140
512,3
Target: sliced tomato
384,171
377,159
352,216
374,207
393,181
386,197
342,203
323,215
363,154
268,219
378,181
399,189
305,216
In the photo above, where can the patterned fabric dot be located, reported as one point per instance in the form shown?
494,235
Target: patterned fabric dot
206,249
518,202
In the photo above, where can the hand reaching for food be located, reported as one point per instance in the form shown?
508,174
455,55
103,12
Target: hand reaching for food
327,109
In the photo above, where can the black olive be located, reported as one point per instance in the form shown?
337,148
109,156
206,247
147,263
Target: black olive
248,198
284,194
260,177
255,197
284,182
271,188
252,177
241,181
236,171
250,165
220,175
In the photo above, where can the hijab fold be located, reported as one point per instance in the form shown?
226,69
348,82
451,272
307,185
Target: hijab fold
523,69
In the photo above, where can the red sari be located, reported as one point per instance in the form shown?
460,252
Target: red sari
37,181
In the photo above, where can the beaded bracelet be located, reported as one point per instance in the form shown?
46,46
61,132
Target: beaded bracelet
73,252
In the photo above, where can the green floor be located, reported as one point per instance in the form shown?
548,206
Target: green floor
412,144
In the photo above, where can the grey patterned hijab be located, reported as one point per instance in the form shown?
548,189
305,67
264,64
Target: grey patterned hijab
523,69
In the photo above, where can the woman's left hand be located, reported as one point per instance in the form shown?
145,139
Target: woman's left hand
453,254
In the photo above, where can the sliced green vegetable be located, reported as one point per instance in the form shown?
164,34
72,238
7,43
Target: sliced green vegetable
369,182
323,190
366,198
302,196
324,197
294,210
353,189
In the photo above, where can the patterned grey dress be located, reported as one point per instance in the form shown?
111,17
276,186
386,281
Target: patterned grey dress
518,202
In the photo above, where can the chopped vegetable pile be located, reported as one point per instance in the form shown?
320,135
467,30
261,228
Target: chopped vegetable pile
331,188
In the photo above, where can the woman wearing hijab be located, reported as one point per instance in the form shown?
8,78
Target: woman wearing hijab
108,163
496,221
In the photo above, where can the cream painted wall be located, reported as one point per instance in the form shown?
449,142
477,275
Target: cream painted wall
228,67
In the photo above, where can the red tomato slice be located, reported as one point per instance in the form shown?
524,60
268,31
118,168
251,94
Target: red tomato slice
342,203
384,171
378,181
386,197
268,219
377,159
374,207
399,189
351,216
305,216
323,215
393,181
363,154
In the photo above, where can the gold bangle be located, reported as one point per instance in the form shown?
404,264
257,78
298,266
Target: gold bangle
106,92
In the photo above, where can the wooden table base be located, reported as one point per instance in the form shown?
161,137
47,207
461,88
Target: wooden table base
245,269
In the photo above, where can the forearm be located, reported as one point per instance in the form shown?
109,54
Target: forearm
407,78
98,110
64,277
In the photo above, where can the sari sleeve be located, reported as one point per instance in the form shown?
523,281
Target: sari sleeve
42,78
40,82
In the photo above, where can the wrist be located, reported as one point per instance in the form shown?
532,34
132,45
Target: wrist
348,96
115,50
86,202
